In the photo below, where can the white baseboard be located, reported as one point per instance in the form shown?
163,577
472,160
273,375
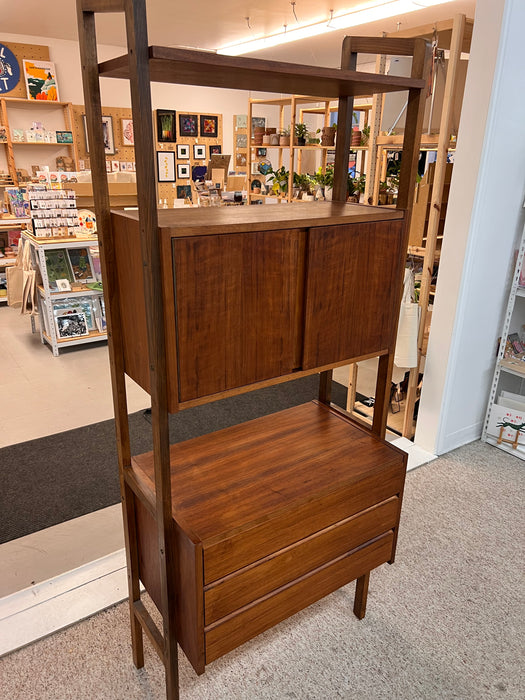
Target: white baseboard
417,456
47,607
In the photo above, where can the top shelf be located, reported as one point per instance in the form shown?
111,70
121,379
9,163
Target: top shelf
207,69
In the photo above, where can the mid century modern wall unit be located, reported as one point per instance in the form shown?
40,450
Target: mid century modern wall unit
236,530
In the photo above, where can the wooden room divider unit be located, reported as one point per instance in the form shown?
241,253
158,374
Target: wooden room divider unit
236,530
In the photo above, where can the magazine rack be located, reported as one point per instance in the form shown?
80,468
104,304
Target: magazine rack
234,531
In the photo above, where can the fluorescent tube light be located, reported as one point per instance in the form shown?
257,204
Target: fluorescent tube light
362,14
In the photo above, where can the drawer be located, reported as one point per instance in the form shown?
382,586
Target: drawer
241,549
225,635
254,581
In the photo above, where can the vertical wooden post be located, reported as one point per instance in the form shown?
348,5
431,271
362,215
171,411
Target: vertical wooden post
375,127
458,30
138,54
90,78
344,128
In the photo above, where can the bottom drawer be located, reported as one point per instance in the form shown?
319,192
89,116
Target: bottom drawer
228,633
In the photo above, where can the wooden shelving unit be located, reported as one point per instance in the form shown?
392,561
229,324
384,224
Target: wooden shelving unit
209,523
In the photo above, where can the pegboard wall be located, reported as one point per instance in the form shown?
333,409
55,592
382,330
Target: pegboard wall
124,156
28,51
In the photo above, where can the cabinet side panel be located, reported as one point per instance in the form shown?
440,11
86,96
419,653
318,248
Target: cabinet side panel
352,291
237,308
190,612
131,297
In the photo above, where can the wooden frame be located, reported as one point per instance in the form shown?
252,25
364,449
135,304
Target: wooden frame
141,65
166,120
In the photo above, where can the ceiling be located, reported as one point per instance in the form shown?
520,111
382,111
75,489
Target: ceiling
209,25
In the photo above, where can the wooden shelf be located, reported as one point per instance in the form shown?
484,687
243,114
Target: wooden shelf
78,340
204,68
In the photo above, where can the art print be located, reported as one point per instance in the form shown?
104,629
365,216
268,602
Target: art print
209,126
199,151
81,264
183,171
41,80
183,151
71,325
241,121
166,166
166,126
107,135
128,137
241,141
215,149
258,122
188,125
184,192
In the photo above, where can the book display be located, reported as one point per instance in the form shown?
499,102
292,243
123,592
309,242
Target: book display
505,418
234,531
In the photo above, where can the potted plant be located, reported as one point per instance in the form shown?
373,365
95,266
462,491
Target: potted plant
279,180
300,131
383,192
365,135
306,184
352,189
328,135
284,137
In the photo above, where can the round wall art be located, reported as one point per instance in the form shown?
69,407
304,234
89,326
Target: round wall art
9,70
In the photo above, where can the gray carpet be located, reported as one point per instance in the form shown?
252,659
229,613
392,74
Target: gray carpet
73,473
444,622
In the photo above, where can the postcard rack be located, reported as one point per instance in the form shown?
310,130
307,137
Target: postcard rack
184,541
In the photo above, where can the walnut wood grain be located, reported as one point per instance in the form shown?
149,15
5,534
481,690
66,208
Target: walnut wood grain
188,67
265,613
350,304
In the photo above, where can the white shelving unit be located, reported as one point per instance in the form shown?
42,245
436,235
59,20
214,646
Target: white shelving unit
508,384
47,297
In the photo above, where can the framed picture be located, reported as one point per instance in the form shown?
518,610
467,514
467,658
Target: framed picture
81,264
209,126
71,325
107,135
241,121
41,80
183,171
166,126
260,152
183,151
183,191
215,148
166,166
58,266
128,137
199,151
188,125
63,285
241,141
64,136
258,121
240,160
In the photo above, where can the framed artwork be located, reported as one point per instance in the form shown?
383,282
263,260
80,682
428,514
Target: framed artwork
209,126
241,121
64,136
166,166
199,151
240,160
81,264
260,152
183,191
215,148
128,137
71,325
241,141
166,126
198,173
107,135
183,151
183,171
41,80
188,125
258,121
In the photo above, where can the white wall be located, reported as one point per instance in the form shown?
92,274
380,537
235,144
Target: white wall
115,93
484,220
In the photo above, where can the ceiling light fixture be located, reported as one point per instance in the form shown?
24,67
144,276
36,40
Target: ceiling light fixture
362,14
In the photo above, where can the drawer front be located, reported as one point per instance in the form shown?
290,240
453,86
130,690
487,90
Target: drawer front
237,551
222,637
236,591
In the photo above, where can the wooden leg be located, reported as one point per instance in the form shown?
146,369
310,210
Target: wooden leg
382,395
325,387
361,594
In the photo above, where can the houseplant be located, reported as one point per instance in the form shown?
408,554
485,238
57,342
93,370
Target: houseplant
301,131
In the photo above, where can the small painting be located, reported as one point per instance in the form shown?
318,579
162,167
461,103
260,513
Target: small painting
128,137
183,151
166,126
71,325
215,149
166,166
241,121
240,160
241,141
199,151
184,192
107,135
183,171
209,126
260,152
81,264
259,122
41,80
64,136
188,125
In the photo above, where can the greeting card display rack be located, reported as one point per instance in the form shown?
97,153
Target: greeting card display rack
236,530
